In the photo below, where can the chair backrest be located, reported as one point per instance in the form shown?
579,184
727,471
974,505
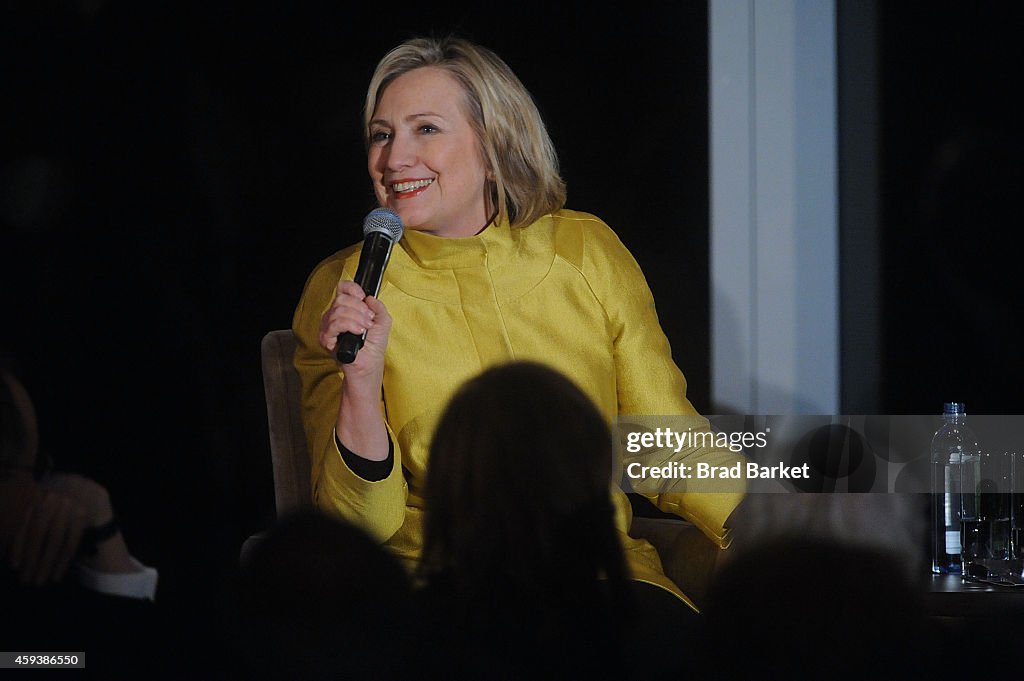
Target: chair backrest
288,450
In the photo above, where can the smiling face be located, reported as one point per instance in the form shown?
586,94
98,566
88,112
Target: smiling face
424,159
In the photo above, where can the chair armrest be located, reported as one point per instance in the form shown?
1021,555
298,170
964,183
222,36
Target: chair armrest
250,543
687,555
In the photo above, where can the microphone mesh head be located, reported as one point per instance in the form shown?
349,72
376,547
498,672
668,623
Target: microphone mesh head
383,220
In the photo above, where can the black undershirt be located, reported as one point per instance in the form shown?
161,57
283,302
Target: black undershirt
367,469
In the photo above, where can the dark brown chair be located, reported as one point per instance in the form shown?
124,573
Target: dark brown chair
288,452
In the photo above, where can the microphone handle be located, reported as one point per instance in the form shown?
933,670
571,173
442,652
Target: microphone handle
369,275
348,346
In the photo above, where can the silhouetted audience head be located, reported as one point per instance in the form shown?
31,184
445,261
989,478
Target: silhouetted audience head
815,609
320,599
519,536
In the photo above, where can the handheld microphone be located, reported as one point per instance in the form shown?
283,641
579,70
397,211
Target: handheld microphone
382,228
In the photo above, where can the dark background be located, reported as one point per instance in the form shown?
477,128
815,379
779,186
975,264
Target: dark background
172,171
950,188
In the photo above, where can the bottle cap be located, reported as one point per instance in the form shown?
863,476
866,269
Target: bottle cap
953,408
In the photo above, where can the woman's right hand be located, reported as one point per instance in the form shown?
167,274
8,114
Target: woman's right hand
354,312
360,424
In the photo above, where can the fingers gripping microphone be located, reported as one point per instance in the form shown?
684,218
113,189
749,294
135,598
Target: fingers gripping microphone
382,228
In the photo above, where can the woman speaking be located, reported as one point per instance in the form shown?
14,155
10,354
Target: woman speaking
491,268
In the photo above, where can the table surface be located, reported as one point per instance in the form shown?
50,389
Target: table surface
950,596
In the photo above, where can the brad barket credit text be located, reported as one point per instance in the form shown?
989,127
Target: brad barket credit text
748,470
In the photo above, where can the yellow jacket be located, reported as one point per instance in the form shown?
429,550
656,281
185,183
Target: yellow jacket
563,291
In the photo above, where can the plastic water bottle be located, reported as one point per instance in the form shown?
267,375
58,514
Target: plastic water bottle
955,461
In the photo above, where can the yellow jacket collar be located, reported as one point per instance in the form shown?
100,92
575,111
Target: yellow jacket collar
497,242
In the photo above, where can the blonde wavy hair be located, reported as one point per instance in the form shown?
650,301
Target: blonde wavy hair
525,183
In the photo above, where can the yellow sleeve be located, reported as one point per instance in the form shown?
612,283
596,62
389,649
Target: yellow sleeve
378,507
648,381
